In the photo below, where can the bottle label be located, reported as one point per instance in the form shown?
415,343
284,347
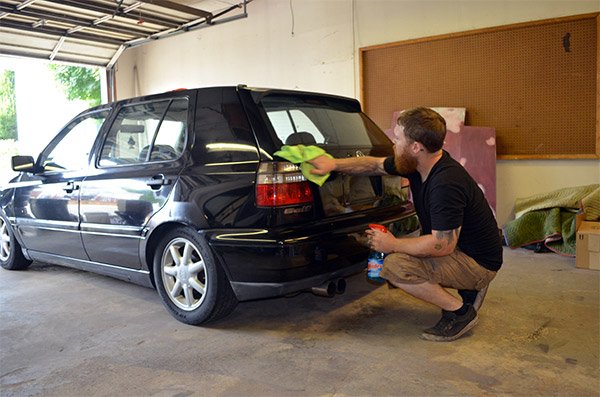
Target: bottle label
374,266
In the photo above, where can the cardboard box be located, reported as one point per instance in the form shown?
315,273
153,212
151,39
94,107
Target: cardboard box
588,246
579,217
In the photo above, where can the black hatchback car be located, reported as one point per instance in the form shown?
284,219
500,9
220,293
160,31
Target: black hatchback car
182,191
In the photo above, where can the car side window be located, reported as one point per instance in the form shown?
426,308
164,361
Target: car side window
222,132
147,132
71,149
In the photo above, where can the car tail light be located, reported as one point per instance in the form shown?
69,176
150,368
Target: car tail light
280,184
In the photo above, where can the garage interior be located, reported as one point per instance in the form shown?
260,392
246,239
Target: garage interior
65,332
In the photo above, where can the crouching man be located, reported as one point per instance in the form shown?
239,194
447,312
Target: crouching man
459,246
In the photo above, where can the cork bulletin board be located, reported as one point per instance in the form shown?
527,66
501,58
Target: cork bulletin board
536,83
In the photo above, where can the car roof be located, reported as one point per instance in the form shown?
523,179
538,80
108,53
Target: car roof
258,93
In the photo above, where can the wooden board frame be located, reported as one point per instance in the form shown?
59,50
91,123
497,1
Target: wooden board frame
380,102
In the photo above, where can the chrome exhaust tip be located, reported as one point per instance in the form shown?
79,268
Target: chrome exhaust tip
328,289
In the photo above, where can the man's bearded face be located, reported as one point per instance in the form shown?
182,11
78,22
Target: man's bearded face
405,162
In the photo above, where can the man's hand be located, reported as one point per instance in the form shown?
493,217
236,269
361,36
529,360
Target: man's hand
440,243
322,164
380,241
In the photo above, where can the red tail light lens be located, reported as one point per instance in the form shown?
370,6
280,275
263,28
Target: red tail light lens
283,194
281,184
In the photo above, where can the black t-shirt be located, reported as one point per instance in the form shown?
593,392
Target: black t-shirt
450,198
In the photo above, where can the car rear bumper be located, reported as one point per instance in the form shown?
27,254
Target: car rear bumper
272,266
248,290
263,263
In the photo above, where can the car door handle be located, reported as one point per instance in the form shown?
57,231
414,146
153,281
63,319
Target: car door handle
70,186
157,181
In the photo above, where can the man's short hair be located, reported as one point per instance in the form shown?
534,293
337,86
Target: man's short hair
425,126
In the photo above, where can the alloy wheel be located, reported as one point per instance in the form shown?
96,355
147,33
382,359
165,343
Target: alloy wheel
4,241
184,274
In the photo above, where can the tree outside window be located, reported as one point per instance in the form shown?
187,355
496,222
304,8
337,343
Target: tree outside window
8,109
78,82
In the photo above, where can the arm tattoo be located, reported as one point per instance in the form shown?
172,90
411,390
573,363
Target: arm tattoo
361,165
448,235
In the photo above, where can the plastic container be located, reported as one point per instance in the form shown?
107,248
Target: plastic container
375,261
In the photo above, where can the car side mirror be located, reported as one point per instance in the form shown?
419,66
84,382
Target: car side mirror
23,164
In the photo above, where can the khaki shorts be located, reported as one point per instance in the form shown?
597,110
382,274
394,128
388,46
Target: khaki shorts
457,270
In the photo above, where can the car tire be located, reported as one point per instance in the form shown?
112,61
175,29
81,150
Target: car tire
11,254
193,286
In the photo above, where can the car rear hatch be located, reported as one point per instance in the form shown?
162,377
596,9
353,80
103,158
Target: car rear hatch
338,126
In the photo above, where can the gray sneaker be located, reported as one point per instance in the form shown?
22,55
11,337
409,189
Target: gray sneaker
451,326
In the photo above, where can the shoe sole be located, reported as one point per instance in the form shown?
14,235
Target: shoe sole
438,338
479,298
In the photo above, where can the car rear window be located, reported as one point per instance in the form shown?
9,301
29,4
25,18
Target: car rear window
326,122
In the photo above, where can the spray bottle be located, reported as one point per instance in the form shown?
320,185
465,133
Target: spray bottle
375,261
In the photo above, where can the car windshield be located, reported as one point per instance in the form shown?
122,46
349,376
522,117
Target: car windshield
71,148
311,120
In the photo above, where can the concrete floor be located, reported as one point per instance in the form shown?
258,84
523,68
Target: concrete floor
69,333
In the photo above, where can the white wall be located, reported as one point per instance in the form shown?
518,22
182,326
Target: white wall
258,51
313,45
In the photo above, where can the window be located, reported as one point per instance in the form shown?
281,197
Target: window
317,121
148,132
72,149
223,134
288,122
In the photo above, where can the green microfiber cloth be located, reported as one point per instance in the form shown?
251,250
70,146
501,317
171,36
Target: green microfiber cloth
300,154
